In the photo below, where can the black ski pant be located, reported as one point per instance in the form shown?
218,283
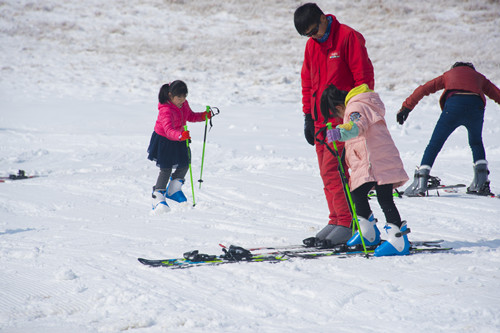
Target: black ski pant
385,200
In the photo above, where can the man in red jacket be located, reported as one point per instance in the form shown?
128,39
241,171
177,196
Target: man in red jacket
334,54
463,104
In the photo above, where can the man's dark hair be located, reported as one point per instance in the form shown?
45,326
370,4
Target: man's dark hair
305,16
467,64
331,97
177,88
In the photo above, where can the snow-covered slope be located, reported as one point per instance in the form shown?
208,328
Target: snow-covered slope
78,87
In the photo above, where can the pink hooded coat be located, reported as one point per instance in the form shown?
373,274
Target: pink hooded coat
372,155
171,119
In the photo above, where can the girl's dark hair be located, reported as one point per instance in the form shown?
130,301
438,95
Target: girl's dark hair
305,16
459,63
176,88
332,96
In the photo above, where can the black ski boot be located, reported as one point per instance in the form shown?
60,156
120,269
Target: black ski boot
419,186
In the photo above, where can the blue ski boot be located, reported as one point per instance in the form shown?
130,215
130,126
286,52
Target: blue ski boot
174,191
371,234
397,243
159,203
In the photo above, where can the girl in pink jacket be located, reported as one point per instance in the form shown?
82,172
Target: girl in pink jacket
168,147
374,162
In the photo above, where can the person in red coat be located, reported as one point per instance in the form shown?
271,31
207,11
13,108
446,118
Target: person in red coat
334,54
462,103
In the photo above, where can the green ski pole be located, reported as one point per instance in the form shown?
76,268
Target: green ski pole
347,192
190,169
203,151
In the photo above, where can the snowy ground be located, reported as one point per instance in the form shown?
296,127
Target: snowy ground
78,87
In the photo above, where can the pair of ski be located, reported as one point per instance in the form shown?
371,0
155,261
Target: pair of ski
434,184
273,254
446,188
21,174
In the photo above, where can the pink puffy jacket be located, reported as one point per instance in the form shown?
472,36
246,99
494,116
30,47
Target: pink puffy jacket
372,155
171,120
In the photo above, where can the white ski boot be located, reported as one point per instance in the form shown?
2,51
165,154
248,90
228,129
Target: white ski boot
159,204
397,243
371,234
174,191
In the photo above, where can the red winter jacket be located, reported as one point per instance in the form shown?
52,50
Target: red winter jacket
171,119
341,60
462,78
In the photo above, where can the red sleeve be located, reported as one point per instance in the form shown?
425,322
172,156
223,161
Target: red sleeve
305,76
424,90
491,91
359,63
168,121
191,116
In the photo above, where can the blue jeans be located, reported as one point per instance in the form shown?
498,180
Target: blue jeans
459,110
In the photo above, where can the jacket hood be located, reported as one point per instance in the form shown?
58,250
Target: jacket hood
366,97
356,91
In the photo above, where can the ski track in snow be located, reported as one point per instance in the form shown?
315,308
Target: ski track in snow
78,87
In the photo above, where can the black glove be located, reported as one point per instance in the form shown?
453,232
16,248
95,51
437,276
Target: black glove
402,115
309,129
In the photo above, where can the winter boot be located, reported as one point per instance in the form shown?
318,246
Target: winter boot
338,236
159,204
397,243
174,191
419,186
371,234
319,239
330,236
321,235
480,184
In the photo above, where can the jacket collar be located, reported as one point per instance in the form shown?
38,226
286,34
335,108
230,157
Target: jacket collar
333,26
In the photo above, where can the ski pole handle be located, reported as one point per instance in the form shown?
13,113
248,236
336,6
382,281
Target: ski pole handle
187,141
329,126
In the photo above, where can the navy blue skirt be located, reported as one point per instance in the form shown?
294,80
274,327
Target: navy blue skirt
167,153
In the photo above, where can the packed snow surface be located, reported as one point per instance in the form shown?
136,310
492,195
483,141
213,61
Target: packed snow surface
78,101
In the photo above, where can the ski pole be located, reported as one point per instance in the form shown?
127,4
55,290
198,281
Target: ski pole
347,191
203,151
190,169
216,112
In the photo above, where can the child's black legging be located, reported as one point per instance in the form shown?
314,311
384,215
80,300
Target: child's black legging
385,200
164,176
